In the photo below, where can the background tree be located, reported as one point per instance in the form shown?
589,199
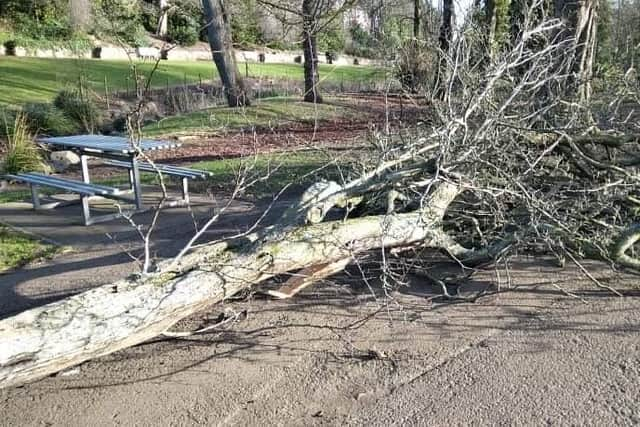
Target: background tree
626,32
310,9
446,26
219,35
80,14
163,6
582,26
314,17
498,20
416,18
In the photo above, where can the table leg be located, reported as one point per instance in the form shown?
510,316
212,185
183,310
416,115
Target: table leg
135,183
86,211
85,168
84,199
185,190
35,196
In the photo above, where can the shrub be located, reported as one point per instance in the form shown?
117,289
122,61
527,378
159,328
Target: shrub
183,29
43,20
362,43
416,65
7,119
150,14
282,45
80,107
119,20
245,26
21,154
331,39
10,48
46,118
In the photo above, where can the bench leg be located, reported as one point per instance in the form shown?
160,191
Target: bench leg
185,190
85,168
135,181
86,213
35,196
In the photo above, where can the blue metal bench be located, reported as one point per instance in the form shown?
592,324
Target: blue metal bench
184,173
85,190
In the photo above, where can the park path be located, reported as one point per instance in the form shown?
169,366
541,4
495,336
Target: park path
338,354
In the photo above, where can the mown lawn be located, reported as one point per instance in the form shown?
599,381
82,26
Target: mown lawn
16,249
273,171
263,113
39,79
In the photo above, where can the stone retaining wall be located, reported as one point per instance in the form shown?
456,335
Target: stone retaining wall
181,54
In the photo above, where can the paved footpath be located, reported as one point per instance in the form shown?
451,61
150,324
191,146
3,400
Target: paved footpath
338,354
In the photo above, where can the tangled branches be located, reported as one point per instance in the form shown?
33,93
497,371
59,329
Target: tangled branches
535,166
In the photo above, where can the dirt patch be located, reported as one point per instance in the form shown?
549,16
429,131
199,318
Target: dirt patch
377,112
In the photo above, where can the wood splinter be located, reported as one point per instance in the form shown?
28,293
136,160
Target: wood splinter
308,276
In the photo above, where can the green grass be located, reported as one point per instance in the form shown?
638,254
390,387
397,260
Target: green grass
39,79
300,169
263,113
16,249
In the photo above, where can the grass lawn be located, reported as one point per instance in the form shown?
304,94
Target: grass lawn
16,249
39,79
300,168
263,113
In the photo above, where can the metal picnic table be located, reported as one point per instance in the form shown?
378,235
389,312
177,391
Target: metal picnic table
109,147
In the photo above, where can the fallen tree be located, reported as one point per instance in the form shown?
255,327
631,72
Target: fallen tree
48,339
498,170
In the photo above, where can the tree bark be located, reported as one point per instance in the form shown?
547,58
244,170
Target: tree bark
446,27
497,18
446,34
416,18
56,336
581,20
80,14
219,35
310,49
163,23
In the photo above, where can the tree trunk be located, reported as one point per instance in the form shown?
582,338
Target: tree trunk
163,19
446,27
219,34
581,25
446,33
498,24
310,49
582,16
416,19
80,14
56,336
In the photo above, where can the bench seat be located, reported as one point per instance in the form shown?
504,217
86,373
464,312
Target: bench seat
165,169
85,190
65,184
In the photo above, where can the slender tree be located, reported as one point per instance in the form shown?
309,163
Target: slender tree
310,50
219,35
581,25
446,27
416,18
497,15
163,5
314,16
